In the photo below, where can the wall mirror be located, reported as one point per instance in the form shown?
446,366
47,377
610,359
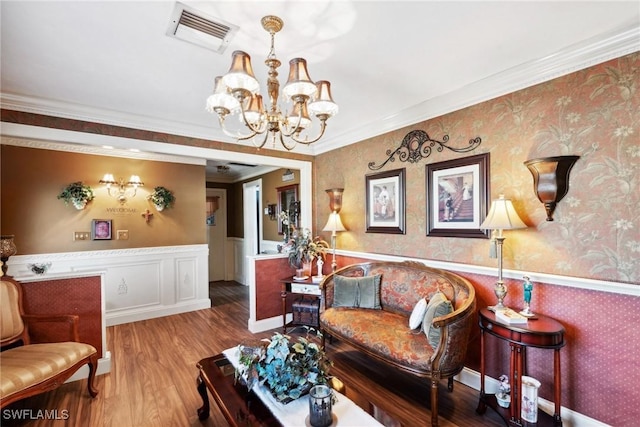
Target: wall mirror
288,201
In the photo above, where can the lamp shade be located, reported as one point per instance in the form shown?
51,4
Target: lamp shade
135,181
240,75
299,82
502,216
334,223
299,117
323,101
221,98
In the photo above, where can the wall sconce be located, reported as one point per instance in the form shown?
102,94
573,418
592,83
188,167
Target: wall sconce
334,223
124,190
335,199
551,179
271,211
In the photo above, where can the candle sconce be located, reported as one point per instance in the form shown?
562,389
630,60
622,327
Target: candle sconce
551,179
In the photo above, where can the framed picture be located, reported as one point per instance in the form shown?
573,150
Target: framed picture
385,200
457,197
288,201
101,229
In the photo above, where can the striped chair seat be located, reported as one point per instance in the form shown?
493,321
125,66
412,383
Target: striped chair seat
26,366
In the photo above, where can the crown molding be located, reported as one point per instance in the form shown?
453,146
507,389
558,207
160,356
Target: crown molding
568,60
97,150
85,113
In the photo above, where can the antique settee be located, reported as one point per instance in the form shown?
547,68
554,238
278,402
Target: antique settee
351,303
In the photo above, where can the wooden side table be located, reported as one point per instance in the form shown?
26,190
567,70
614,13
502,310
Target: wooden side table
298,287
541,332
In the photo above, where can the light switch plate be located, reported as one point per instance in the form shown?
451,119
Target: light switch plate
81,235
123,234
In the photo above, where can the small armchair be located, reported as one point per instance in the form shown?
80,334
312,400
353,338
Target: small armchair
26,368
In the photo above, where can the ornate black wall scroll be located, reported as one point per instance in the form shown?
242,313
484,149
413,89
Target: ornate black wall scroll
417,145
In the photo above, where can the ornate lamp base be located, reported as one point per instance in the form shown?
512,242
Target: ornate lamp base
501,291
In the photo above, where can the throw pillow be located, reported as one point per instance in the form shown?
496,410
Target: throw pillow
361,292
438,306
418,314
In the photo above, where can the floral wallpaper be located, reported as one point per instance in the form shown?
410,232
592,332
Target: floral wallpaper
593,113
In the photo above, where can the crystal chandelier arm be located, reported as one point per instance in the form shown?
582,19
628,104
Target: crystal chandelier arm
306,141
288,147
263,122
237,135
264,141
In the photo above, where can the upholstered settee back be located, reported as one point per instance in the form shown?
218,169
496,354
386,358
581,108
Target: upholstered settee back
403,284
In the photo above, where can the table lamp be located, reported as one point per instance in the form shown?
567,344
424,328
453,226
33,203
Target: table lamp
501,216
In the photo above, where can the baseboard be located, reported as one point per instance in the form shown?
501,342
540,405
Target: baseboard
135,315
570,418
104,367
267,324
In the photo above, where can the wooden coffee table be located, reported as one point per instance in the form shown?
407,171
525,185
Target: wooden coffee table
239,406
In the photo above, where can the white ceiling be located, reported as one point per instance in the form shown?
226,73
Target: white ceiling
391,63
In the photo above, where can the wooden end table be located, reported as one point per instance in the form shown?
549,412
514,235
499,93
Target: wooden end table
541,332
307,288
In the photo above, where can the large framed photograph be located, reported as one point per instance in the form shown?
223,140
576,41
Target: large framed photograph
101,229
385,200
457,197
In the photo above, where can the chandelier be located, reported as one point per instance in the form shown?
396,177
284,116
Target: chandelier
237,93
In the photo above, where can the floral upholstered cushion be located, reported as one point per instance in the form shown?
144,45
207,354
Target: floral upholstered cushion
381,332
362,292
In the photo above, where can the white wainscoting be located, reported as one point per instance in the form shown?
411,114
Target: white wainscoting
140,283
235,260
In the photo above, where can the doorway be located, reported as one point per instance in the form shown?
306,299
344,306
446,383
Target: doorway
217,233
252,206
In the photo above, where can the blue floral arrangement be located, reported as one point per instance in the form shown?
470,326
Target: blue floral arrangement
288,370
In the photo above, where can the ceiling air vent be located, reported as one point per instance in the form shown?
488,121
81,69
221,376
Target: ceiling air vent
195,27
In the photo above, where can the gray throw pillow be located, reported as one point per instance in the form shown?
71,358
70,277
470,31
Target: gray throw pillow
438,306
361,292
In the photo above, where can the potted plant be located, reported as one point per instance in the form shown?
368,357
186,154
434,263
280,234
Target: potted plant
503,397
162,198
287,369
303,249
77,194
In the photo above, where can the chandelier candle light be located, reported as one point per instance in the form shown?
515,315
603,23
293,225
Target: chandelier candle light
237,92
501,216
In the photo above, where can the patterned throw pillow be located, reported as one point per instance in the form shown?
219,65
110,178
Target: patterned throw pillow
418,314
361,292
438,306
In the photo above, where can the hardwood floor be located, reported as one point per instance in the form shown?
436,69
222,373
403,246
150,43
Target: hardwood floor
153,376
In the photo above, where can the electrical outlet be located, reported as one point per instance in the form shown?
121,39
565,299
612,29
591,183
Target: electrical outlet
81,235
123,234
